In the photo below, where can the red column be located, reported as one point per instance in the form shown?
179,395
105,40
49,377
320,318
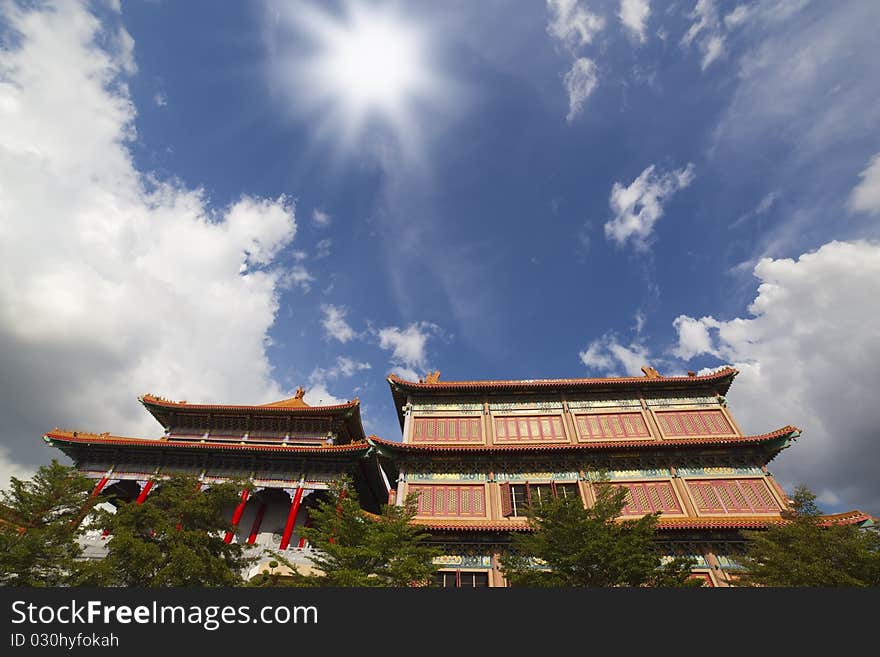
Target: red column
236,516
144,492
291,519
258,520
99,487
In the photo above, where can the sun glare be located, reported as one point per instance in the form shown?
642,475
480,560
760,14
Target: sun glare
373,63
367,65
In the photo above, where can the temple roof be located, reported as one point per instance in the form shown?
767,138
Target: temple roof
65,437
663,523
729,522
431,384
854,517
167,412
294,403
780,436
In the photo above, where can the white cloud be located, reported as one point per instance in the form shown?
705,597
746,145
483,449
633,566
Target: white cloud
767,203
713,48
405,373
765,12
706,31
807,356
572,24
320,218
705,15
318,395
160,99
575,26
815,83
348,366
807,89
322,248
865,197
344,367
607,356
638,207
738,16
579,82
408,346
693,336
114,284
298,276
334,323
634,16
318,392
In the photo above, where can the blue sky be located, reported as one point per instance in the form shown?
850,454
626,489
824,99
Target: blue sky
221,203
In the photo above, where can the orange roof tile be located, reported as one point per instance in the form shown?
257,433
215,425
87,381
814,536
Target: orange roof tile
730,522
85,438
476,525
720,522
282,405
847,518
538,384
431,384
671,443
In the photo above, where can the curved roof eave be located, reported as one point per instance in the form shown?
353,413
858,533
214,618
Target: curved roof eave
723,378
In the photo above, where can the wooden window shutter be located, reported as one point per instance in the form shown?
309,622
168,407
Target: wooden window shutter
506,503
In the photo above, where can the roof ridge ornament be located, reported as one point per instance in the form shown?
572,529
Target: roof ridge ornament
651,373
431,377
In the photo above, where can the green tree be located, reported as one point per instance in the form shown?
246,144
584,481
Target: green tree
175,538
571,545
805,552
354,548
40,526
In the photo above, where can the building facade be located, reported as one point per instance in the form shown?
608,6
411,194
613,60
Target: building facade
475,454
289,451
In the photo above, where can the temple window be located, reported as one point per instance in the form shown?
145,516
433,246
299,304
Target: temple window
682,424
732,496
517,498
454,501
447,429
650,497
601,426
448,579
534,427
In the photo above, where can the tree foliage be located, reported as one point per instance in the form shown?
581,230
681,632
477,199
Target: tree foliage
175,538
574,546
353,548
805,552
40,525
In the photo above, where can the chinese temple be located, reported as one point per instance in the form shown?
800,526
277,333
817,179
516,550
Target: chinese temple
288,449
476,454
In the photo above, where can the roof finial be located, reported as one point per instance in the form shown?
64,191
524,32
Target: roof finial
650,372
432,377
300,393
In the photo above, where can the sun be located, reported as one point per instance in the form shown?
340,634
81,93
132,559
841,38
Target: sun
373,63
364,67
